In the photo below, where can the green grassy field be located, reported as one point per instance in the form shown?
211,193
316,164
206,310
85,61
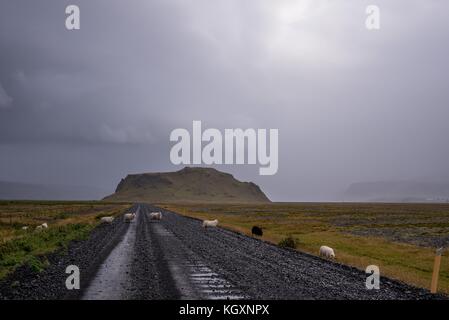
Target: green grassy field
66,220
399,238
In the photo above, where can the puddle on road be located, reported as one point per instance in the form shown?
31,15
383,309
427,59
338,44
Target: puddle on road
211,284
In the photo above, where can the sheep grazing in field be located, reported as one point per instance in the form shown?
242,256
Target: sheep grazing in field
257,231
25,228
210,223
129,217
42,226
156,216
327,252
107,219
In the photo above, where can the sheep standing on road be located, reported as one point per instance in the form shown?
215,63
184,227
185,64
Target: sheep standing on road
257,231
156,216
129,217
327,252
210,223
107,219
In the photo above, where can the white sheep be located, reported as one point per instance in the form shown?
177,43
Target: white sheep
129,217
156,216
327,252
42,226
25,228
210,223
107,219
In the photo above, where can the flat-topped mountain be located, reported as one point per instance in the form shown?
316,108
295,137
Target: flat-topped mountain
187,185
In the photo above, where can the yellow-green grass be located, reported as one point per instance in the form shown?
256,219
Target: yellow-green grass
67,221
334,224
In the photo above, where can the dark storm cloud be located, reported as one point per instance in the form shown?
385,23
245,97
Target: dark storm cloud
89,106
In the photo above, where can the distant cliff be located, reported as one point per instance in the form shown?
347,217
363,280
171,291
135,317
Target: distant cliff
398,191
27,191
187,185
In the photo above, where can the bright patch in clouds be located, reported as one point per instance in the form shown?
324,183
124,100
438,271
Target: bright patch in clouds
5,99
293,11
277,33
302,33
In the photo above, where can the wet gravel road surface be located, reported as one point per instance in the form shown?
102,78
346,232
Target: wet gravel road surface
49,284
176,258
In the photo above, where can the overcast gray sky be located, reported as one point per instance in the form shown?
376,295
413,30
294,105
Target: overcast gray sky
88,107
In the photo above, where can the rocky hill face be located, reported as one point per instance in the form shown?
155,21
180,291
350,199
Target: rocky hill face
187,185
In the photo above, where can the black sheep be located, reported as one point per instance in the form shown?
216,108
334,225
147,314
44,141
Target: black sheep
257,231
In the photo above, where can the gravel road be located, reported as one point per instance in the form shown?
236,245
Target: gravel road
176,258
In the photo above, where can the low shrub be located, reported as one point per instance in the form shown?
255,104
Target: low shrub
288,242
